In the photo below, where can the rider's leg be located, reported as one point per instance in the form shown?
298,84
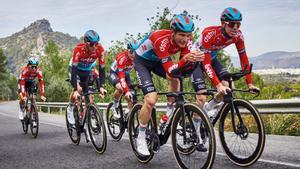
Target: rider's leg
173,86
117,95
145,115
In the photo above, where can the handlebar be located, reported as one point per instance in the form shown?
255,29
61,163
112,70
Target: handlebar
240,74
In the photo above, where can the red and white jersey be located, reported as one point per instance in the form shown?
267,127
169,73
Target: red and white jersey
84,59
122,66
122,63
28,75
159,46
213,39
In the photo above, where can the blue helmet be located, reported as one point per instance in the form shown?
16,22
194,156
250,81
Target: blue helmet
91,36
182,23
33,61
231,15
133,45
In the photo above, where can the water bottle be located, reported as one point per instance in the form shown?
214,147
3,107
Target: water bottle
162,123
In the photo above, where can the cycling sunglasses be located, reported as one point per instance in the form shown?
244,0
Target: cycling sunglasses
33,67
92,44
234,24
131,51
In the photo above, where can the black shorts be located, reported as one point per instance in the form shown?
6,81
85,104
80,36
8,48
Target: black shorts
84,80
198,74
114,79
30,87
143,70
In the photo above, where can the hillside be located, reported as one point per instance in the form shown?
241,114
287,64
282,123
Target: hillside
32,40
275,59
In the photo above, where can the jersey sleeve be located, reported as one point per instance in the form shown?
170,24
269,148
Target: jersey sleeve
22,82
206,46
41,82
244,61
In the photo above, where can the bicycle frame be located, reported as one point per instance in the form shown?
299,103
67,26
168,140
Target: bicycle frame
180,101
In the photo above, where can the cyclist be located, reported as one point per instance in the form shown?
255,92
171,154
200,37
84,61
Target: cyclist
93,79
120,76
154,55
84,56
27,82
212,40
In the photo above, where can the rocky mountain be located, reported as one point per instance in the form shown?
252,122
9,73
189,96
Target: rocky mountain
275,59
32,40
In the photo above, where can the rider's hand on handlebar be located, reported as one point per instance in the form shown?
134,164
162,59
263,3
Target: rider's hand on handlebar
76,94
102,92
128,95
22,97
253,89
43,98
223,89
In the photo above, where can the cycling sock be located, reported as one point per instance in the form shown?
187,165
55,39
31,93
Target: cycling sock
142,130
170,108
212,104
196,122
116,103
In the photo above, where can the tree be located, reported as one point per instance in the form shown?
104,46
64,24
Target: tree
8,82
54,66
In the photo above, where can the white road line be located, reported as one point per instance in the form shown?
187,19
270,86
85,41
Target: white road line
169,145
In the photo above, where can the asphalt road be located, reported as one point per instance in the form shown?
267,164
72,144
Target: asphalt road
53,149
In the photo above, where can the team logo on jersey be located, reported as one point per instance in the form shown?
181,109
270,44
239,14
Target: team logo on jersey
208,70
163,44
144,47
209,35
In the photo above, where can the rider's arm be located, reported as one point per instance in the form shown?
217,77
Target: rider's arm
206,45
120,61
209,69
22,84
171,68
101,66
244,61
95,74
41,82
74,73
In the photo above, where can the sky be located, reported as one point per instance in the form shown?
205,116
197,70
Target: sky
271,25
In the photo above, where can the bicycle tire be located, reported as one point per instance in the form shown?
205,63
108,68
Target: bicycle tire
182,161
96,128
72,129
242,160
34,116
133,132
113,124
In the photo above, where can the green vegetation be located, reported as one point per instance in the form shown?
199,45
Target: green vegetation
8,82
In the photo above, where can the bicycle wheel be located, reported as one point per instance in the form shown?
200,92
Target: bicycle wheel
187,148
34,118
96,129
245,146
133,125
72,129
25,124
115,126
192,159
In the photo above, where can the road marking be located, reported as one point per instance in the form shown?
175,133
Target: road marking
169,145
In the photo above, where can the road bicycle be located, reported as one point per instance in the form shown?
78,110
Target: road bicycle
181,127
90,114
117,127
30,112
241,128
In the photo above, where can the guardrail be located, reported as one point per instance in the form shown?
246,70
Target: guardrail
279,106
